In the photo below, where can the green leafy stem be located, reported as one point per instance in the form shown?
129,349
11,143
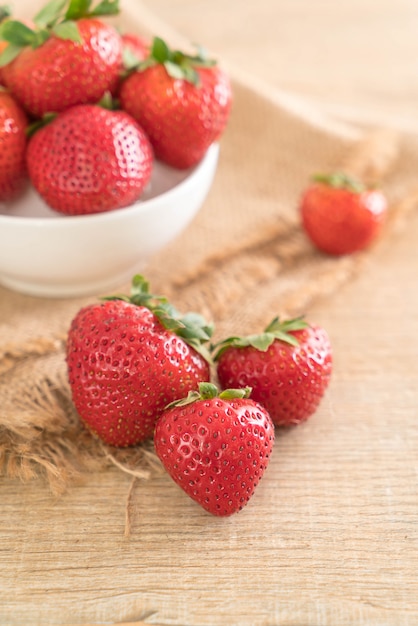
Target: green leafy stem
276,330
191,327
58,17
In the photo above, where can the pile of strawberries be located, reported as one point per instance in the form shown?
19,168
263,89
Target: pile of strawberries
85,110
138,369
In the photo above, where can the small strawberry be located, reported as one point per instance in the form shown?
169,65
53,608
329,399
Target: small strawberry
288,368
182,102
216,447
128,357
68,58
89,159
340,215
13,125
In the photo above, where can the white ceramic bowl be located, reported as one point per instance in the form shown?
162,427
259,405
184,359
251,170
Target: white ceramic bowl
44,253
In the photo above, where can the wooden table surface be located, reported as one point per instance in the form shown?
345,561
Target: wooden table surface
330,537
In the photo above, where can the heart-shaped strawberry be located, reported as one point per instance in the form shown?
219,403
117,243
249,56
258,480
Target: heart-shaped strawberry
216,447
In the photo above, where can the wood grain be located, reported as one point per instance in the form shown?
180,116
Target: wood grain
330,537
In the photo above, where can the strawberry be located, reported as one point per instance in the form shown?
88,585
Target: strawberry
13,125
66,59
89,159
128,357
215,446
340,215
288,368
182,102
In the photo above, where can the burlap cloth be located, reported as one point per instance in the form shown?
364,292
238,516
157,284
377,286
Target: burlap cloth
243,260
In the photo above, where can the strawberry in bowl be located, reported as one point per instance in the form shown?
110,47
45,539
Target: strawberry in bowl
182,102
100,201
13,124
70,56
89,159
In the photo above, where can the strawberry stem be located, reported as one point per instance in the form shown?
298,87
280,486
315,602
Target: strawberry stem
208,391
276,330
178,65
32,128
58,17
340,180
191,327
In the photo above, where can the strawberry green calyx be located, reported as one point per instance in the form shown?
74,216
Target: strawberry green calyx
208,391
191,327
178,65
58,17
340,180
46,119
276,330
108,102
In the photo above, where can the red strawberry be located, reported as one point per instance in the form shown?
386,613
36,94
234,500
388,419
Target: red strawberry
215,447
61,62
288,368
340,216
128,358
89,160
13,125
182,103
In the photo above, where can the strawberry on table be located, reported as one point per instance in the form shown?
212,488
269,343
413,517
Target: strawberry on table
340,215
89,159
288,367
215,446
182,102
69,57
13,125
129,357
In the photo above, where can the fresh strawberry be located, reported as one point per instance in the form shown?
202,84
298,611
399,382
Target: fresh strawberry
128,358
340,215
182,102
68,58
13,125
89,159
216,447
288,368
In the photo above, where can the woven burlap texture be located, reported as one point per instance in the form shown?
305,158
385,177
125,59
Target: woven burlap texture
243,260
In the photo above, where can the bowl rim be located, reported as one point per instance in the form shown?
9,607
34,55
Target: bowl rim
140,206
